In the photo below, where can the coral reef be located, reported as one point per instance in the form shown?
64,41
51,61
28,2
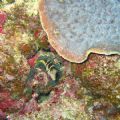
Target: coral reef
37,84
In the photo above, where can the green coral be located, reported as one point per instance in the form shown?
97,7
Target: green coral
51,66
50,63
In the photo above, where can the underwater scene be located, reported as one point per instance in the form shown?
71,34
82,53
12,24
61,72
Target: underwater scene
43,77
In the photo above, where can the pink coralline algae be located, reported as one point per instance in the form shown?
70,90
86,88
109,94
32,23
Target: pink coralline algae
37,33
3,18
2,115
32,60
30,106
6,102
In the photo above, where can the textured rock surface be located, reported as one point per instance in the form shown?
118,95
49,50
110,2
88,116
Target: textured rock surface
100,75
76,28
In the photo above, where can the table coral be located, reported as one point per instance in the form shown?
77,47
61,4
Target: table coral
77,28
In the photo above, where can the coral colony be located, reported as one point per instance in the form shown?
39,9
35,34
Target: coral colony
76,28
